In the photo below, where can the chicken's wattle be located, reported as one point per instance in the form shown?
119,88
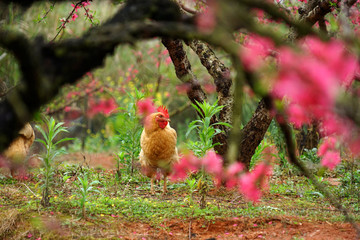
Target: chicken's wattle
162,124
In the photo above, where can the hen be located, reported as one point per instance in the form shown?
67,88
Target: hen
19,147
158,146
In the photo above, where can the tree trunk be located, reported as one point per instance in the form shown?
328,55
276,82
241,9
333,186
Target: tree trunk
308,137
253,133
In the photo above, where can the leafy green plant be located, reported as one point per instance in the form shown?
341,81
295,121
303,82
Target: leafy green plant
310,155
259,152
205,129
205,132
191,183
128,128
312,161
50,143
350,186
277,137
85,187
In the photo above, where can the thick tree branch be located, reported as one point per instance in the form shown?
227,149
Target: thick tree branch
314,12
183,69
54,64
253,132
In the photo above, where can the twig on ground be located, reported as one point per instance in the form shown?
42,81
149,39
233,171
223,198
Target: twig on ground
190,230
29,190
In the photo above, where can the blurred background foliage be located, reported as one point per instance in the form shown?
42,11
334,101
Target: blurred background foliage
145,66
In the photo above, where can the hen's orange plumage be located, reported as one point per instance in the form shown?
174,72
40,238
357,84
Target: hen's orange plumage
158,146
19,148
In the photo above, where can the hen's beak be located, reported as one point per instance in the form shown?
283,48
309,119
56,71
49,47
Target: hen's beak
167,119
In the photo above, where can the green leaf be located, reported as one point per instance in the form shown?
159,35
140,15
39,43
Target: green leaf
66,178
224,124
41,141
190,129
198,109
63,140
41,131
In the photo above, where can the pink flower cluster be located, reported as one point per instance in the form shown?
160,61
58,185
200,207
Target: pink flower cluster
249,184
206,20
145,107
329,154
252,182
255,50
310,80
313,78
74,16
103,106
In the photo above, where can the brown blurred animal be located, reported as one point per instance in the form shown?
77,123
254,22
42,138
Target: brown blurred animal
19,148
158,146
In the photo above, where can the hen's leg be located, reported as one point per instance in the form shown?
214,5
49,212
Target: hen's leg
165,189
152,185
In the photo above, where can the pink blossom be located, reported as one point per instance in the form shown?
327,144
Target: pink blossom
254,51
168,61
74,17
232,174
333,124
302,79
103,106
297,115
331,159
187,164
67,109
76,7
250,183
85,3
328,144
212,163
72,95
334,55
183,88
209,88
235,168
312,78
206,20
145,107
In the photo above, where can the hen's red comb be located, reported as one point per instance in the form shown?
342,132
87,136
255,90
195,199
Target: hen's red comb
163,110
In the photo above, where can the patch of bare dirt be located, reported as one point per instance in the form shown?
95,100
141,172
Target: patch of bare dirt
254,228
94,160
